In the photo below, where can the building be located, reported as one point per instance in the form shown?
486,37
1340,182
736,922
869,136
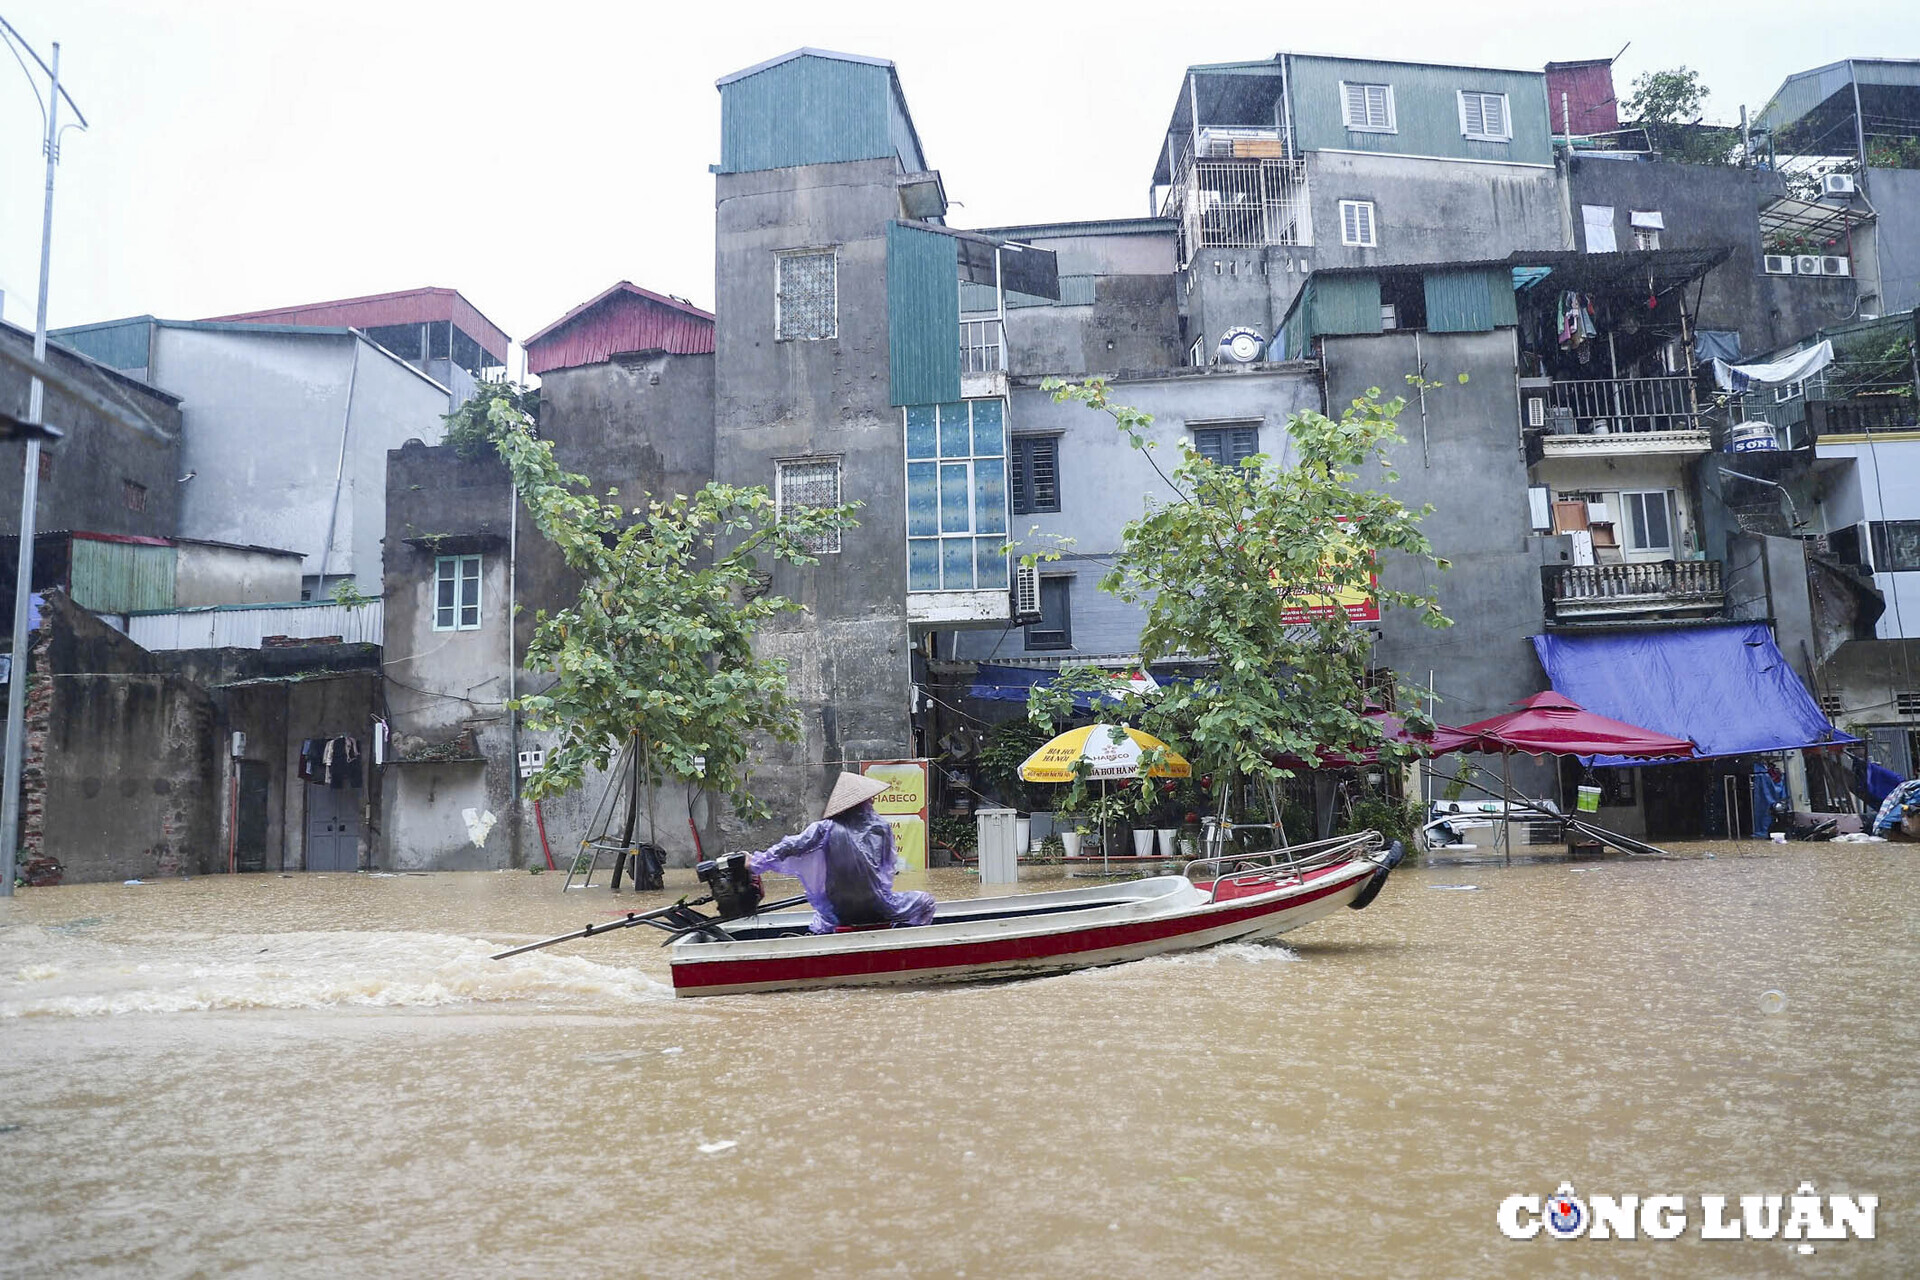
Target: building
1850,132
284,432
1275,169
437,331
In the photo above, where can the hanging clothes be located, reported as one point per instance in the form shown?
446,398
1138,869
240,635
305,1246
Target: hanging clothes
310,751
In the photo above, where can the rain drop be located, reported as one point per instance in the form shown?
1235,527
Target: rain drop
1773,1000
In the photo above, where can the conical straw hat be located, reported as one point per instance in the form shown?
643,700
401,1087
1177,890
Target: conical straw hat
851,789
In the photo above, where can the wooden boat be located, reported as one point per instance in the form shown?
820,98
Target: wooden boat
1233,899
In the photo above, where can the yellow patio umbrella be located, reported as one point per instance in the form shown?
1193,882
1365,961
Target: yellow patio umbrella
1109,752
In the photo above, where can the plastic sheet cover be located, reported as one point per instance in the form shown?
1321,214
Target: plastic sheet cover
1727,688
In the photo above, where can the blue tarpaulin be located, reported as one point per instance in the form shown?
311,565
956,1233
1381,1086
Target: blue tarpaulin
1727,688
1010,684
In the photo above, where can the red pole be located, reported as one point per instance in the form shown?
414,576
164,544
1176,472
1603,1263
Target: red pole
540,820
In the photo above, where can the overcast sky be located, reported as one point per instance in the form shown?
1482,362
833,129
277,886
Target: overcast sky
247,155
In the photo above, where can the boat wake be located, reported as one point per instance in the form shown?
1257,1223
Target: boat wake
44,973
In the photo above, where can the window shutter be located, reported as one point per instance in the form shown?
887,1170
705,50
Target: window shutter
1356,104
1366,224
1494,109
1046,475
1350,222
1474,112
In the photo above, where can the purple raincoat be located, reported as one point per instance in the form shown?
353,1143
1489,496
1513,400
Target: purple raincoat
846,865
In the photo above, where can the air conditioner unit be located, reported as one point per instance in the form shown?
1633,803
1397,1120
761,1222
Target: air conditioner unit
1779,264
1835,267
1806,264
1026,593
1836,184
1536,411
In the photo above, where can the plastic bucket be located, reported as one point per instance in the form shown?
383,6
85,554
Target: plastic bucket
1589,800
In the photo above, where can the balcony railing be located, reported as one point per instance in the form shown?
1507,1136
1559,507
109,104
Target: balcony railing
1621,406
1238,203
1862,416
983,346
1573,592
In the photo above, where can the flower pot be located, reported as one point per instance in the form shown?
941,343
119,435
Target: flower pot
1143,844
1187,846
1167,836
1070,841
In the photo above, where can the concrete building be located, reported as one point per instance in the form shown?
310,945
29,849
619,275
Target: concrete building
99,476
1850,132
1277,168
437,331
285,431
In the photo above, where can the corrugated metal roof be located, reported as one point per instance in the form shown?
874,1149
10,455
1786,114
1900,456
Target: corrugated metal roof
623,319
404,306
244,626
815,106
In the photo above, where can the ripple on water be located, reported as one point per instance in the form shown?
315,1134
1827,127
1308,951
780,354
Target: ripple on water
313,970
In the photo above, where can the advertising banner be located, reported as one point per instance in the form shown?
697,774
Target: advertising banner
904,805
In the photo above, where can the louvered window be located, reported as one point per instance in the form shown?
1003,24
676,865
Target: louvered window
1368,106
806,297
1907,702
811,482
1356,224
1483,116
1036,474
1226,445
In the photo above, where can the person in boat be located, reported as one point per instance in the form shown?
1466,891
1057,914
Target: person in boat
846,863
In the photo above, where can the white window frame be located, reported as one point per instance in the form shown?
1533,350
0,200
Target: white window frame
460,580
1485,135
1630,525
1371,238
1646,238
1366,126
832,254
828,543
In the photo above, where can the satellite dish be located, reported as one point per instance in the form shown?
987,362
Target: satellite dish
1242,345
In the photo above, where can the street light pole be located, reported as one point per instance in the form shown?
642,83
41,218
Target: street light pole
29,496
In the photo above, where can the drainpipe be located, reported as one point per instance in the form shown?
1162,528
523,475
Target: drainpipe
514,854
340,467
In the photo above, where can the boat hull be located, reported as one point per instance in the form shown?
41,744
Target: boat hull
1169,914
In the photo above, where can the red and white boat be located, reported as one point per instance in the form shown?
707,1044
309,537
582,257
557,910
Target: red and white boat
1234,899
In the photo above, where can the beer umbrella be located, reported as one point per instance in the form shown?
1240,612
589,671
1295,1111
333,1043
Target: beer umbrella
1101,752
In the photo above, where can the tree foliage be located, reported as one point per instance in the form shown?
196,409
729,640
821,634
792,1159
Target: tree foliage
1241,570
658,645
1669,105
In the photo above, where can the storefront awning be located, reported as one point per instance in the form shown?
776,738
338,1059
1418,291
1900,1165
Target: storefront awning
1011,684
1726,688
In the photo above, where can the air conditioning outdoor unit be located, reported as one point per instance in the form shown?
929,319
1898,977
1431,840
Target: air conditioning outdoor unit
1835,267
1836,184
1536,411
1779,264
1806,264
1026,593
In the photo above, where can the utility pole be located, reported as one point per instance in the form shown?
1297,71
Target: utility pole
29,484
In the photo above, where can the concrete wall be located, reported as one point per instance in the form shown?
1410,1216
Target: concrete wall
1866,675
1886,487
849,651
121,774
1896,199
1710,207
1133,323
1433,210
206,573
264,414
1474,474
83,476
1105,482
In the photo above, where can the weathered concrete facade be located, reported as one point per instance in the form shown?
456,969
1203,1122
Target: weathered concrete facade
822,399
1119,309
101,476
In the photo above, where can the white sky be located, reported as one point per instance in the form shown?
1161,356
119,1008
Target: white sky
247,155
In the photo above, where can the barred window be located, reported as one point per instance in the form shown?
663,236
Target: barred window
805,299
1036,474
809,482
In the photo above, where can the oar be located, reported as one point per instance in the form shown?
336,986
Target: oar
633,918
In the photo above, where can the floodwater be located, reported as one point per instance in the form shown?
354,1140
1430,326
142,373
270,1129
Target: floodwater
325,1075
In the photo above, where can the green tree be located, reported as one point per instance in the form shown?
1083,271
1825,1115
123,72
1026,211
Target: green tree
1243,568
658,647
1669,105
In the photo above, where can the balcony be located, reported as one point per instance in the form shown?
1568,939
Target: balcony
983,357
1605,417
1660,589
1243,193
1867,415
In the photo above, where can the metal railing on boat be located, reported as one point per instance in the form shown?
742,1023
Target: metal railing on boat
1285,865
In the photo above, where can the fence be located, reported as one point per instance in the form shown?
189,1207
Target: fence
1684,583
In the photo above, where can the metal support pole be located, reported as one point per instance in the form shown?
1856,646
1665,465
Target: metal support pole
29,496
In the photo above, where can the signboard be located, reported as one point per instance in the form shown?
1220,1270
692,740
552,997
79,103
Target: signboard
1355,604
904,805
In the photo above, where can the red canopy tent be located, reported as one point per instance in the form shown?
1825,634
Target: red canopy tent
1392,728
1553,724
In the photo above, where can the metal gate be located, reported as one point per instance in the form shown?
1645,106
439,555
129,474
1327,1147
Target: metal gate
333,828
250,838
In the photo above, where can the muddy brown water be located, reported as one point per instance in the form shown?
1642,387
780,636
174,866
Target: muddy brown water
325,1075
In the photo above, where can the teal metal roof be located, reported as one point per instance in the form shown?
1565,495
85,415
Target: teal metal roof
923,315
815,106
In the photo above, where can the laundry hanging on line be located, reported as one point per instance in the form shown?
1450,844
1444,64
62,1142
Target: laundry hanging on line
331,762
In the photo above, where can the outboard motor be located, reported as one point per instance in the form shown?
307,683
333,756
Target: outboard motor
736,891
